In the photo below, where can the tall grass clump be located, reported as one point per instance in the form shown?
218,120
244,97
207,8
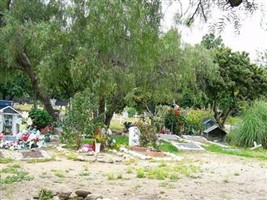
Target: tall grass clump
252,127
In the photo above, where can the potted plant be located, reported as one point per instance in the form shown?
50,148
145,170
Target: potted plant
100,139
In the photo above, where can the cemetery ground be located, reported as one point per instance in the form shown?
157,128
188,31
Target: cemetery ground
199,175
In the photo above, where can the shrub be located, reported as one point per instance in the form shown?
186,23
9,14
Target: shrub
176,122
195,119
41,118
252,126
131,111
80,120
148,136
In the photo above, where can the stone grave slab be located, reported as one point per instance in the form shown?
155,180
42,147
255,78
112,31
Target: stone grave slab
187,146
32,154
169,137
195,138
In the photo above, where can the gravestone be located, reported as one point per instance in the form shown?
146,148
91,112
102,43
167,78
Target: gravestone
134,134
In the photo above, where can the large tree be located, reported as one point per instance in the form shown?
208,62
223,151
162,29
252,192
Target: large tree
237,80
28,35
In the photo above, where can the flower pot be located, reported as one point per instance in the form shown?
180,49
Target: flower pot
97,147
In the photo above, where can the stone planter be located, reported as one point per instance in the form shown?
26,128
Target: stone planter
154,153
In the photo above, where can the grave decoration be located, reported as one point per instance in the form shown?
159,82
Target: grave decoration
25,135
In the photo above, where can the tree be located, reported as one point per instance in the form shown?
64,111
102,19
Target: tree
22,47
114,43
14,86
237,80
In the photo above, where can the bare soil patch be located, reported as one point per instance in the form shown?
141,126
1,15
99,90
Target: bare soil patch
221,177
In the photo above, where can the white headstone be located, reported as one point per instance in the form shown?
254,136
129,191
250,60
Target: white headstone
134,134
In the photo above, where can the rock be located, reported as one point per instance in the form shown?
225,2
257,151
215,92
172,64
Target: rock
82,193
55,198
35,196
63,192
93,197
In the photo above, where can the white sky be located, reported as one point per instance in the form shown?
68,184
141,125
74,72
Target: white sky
252,38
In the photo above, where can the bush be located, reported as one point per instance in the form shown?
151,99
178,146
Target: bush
176,123
148,136
252,126
131,111
80,120
41,118
195,119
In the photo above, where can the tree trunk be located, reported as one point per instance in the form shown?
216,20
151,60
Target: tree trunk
25,65
117,104
108,118
102,105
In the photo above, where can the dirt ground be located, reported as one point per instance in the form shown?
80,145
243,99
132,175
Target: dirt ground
221,177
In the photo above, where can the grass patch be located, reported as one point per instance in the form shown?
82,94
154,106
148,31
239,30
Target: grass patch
88,141
84,173
40,160
58,173
16,175
113,176
45,194
121,140
140,173
129,170
258,153
5,160
168,147
171,171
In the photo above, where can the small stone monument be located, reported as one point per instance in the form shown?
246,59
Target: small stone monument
134,134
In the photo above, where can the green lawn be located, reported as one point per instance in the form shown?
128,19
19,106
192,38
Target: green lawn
257,153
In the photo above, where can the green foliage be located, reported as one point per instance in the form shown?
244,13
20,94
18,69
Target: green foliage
17,175
176,123
195,119
80,119
258,154
131,111
121,140
5,160
140,173
41,118
45,194
170,171
159,117
168,147
252,126
148,136
237,80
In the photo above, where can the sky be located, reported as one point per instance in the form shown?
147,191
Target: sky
252,37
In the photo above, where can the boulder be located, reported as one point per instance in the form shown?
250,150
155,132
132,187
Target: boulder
82,193
93,197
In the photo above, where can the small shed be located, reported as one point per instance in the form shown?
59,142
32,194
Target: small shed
215,133
207,123
9,118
